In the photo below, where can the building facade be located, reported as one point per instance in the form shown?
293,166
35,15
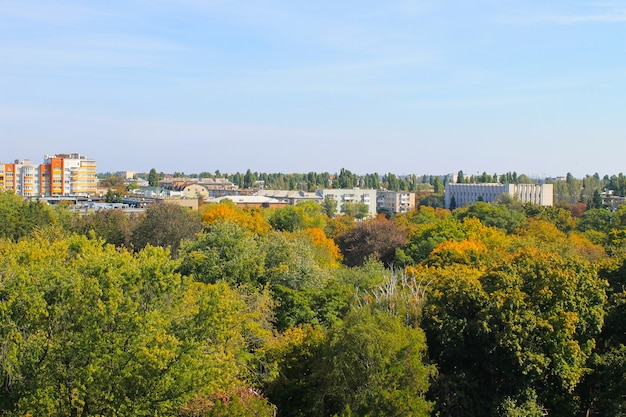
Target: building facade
395,201
351,195
59,175
457,195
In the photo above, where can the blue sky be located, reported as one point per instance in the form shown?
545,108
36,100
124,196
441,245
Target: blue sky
398,86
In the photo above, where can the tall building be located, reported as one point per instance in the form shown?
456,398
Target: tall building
59,175
457,195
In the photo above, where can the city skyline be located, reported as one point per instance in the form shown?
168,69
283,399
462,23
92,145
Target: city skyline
407,87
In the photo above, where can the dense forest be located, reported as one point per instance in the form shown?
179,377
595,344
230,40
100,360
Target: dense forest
489,310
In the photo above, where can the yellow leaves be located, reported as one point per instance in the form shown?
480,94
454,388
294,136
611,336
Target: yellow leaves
250,219
585,248
327,251
467,252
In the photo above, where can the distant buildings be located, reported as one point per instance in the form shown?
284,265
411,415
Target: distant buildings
351,195
59,175
395,201
200,188
457,195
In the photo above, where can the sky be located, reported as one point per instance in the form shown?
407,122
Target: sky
401,86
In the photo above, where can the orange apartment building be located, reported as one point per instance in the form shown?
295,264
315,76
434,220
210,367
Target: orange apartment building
59,175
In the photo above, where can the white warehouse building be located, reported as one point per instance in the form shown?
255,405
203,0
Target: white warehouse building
465,194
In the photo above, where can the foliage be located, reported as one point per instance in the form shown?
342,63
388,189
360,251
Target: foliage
425,237
370,364
291,261
329,207
559,217
304,215
19,217
358,210
227,211
241,402
90,330
114,226
225,251
165,225
530,323
377,239
498,216
153,178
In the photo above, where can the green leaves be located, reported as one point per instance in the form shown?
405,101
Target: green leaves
529,323
87,329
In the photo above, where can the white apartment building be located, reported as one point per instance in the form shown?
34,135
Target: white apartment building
395,201
353,195
465,194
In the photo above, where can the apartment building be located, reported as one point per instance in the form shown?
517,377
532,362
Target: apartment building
351,195
59,175
395,201
457,195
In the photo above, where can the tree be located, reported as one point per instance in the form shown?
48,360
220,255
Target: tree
369,364
153,178
329,207
225,251
226,210
377,239
346,179
603,390
437,186
19,217
88,329
248,179
114,226
492,215
165,225
358,210
460,177
528,324
299,217
114,181
374,365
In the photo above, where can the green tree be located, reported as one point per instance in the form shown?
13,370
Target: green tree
248,179
358,210
153,178
492,215
19,217
114,226
437,186
528,324
88,329
329,207
370,364
225,251
301,216
166,225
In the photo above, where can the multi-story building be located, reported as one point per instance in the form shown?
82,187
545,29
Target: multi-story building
71,174
351,195
59,175
395,201
457,195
